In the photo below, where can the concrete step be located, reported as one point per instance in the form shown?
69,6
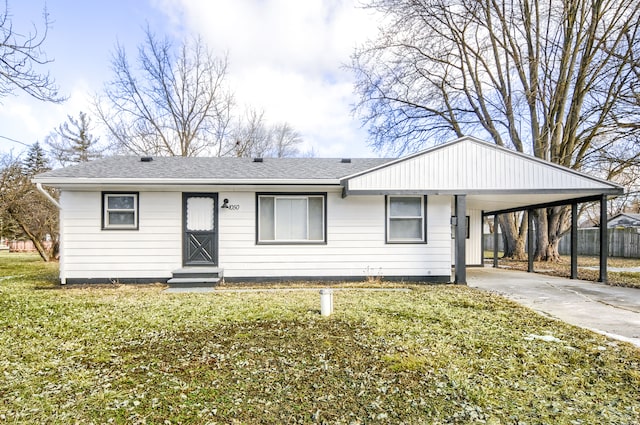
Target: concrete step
198,272
193,281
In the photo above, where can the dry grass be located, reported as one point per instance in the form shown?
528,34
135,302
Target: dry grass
435,355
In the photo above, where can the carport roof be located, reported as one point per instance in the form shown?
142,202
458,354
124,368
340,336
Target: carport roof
493,178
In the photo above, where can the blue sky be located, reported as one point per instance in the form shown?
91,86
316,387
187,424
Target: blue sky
286,57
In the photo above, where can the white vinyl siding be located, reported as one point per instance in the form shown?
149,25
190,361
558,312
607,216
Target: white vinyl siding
355,244
120,211
405,219
90,252
291,218
473,243
467,166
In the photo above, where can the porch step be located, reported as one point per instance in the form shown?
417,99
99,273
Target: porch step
198,272
194,281
196,276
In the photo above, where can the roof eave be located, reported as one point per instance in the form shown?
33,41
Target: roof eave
590,191
77,181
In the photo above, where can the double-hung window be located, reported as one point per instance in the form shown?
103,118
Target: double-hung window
406,219
120,211
291,218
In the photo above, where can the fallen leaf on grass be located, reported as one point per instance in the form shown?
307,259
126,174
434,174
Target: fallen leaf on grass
547,338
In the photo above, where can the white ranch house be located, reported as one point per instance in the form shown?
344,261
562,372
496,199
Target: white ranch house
132,219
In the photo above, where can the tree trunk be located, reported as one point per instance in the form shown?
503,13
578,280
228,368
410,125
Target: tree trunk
37,243
55,250
513,236
551,224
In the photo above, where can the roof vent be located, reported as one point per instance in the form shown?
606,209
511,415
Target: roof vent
346,160
258,159
146,158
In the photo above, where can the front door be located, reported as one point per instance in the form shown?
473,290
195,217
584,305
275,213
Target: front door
200,222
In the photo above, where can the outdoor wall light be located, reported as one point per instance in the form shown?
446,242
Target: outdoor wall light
225,203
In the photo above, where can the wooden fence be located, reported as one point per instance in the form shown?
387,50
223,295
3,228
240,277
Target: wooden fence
622,242
488,242
25,246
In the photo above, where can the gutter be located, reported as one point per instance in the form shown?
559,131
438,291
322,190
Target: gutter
180,182
47,195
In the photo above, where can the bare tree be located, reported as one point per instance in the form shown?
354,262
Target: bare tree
172,103
554,78
21,57
24,208
284,141
252,137
73,143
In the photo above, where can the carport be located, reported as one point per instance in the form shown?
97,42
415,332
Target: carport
525,183
487,178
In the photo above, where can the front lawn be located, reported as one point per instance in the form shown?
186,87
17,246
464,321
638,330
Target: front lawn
435,354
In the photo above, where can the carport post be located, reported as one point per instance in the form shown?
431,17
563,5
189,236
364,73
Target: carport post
530,241
482,245
461,238
495,240
574,241
604,239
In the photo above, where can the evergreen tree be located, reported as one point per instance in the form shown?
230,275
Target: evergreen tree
36,161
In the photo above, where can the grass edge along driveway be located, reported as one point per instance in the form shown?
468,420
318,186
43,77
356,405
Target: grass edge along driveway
437,354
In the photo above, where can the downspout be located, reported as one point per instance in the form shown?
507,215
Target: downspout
57,204
47,195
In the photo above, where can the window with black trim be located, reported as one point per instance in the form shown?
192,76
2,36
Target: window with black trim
119,211
406,219
291,218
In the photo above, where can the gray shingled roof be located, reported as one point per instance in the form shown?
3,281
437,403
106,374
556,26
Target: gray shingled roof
213,168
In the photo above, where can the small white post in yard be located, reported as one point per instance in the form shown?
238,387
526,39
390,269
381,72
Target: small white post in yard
326,302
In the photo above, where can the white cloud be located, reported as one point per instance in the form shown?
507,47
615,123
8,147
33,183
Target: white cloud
319,109
287,57
312,35
29,120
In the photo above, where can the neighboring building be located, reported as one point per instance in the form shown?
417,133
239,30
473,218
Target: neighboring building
133,219
623,220
620,220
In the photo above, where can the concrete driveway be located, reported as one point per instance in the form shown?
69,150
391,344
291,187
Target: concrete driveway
609,310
